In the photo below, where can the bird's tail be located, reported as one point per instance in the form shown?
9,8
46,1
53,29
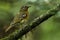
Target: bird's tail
8,28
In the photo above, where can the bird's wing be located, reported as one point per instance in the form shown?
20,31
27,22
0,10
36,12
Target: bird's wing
13,23
17,19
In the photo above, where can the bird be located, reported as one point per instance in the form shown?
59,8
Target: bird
20,17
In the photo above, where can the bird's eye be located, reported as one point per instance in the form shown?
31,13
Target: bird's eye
25,7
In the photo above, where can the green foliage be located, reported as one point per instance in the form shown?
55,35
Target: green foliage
49,30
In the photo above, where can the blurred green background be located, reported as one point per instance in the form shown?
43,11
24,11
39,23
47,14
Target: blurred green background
48,30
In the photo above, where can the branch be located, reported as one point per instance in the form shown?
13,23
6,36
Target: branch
34,24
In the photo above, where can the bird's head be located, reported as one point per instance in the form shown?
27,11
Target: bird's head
24,8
